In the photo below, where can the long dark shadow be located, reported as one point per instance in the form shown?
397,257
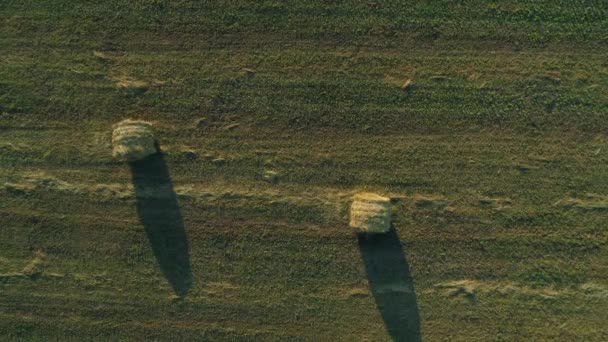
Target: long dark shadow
391,284
160,215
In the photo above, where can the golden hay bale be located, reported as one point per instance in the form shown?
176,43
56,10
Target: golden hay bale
133,140
370,213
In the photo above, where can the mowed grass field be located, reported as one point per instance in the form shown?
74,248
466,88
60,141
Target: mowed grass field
486,122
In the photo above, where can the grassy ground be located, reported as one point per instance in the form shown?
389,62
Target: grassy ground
495,154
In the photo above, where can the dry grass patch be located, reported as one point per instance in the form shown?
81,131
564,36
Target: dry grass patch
496,203
430,202
131,84
473,290
586,202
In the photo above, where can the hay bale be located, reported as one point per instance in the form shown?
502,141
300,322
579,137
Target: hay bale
370,213
133,140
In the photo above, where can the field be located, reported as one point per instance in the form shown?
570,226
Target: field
486,122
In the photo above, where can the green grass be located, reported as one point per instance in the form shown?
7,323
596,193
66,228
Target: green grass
496,158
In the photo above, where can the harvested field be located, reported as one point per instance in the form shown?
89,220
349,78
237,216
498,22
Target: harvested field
485,123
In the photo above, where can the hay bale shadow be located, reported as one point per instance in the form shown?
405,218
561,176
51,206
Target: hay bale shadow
160,215
391,284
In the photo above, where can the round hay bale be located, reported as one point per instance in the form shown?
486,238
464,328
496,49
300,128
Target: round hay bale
370,213
133,140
